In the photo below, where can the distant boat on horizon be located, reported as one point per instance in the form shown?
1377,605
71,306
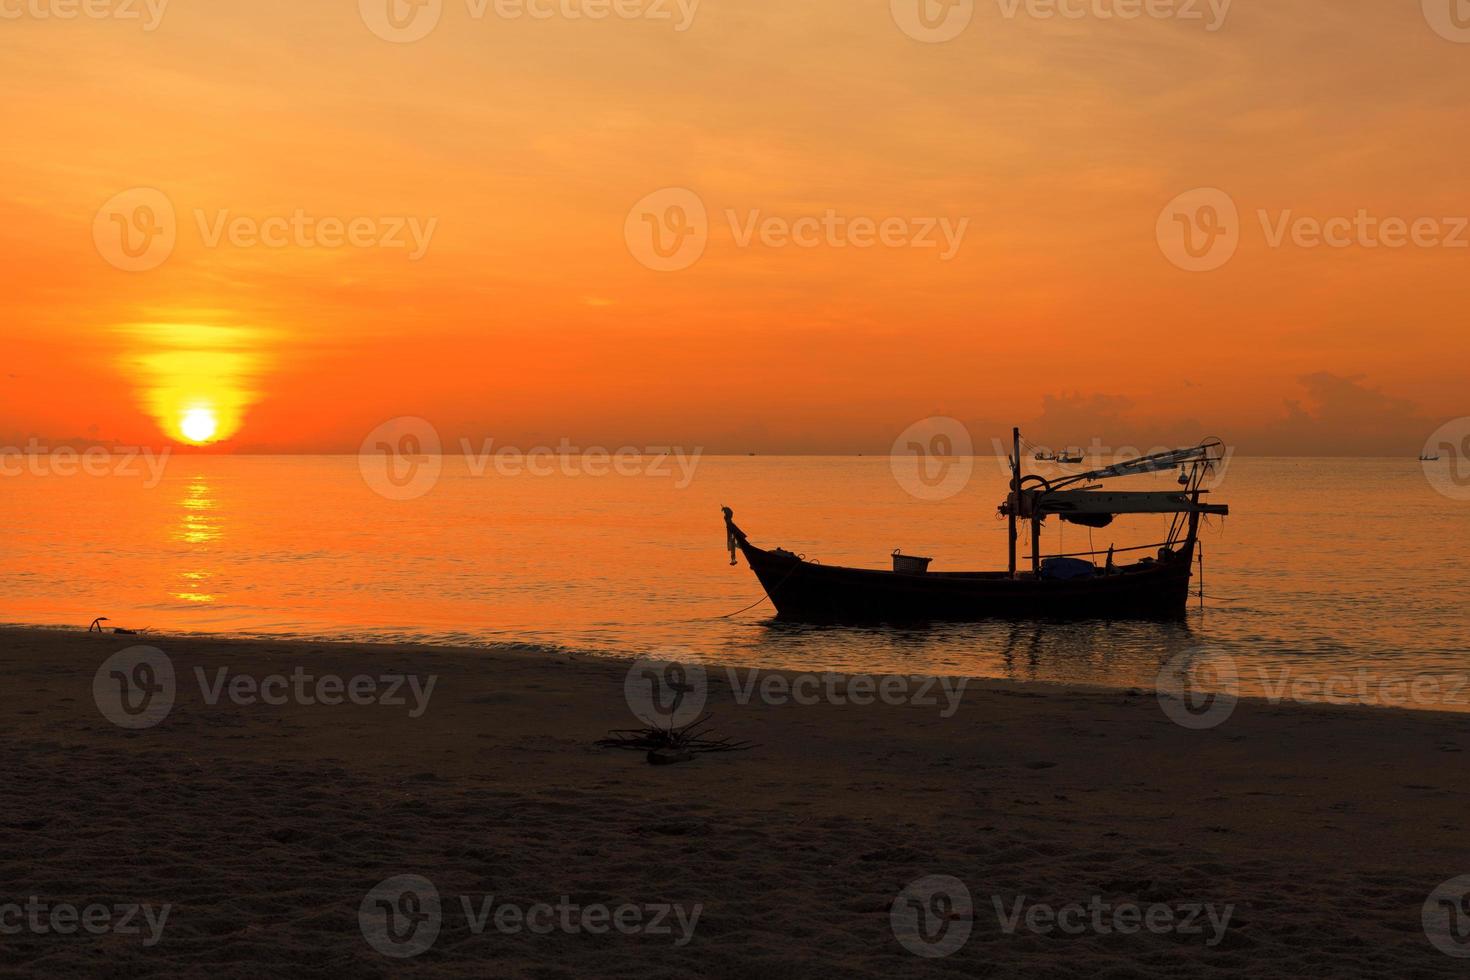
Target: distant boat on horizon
1429,458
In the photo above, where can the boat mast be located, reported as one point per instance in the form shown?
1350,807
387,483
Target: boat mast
1015,491
1036,541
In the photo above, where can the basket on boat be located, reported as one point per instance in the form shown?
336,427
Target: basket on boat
910,564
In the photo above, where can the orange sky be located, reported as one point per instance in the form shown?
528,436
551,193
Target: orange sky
526,142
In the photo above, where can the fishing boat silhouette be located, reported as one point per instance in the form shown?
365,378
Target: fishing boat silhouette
1064,586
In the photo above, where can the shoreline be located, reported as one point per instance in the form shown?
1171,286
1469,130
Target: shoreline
1324,830
538,649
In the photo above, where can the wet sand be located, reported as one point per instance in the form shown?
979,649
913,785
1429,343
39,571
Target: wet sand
264,828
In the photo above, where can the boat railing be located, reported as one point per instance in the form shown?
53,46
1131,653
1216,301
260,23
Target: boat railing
1116,551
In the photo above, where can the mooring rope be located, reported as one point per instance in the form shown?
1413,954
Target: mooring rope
709,619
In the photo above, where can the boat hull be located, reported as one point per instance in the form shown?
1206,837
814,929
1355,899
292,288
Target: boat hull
808,592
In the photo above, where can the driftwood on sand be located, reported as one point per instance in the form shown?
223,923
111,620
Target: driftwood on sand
97,627
666,746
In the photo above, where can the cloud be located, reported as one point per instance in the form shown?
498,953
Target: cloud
1336,415
1108,420
1343,416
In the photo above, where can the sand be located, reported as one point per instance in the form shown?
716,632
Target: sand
264,828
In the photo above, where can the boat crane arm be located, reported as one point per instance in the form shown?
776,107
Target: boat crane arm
1079,494
1204,453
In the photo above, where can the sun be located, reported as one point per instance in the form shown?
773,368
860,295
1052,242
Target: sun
198,425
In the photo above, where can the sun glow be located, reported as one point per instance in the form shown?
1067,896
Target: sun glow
198,425
197,380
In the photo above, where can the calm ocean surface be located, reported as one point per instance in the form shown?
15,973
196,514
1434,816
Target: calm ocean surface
1345,571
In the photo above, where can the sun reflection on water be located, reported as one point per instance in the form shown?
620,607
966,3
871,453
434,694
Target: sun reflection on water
196,580
199,524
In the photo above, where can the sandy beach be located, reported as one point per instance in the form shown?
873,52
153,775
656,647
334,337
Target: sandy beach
249,836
